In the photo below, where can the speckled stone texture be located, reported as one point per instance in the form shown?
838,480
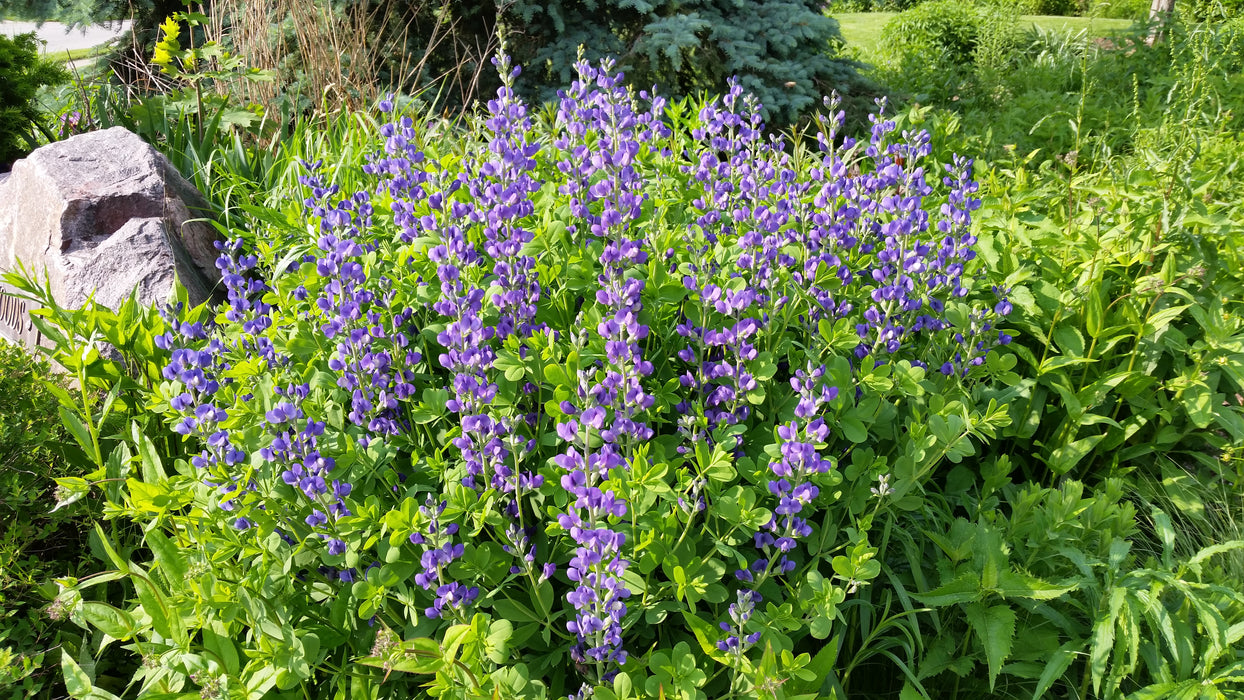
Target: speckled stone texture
105,214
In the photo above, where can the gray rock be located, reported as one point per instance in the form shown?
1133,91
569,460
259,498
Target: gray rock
105,214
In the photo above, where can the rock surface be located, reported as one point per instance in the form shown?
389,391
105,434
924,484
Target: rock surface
105,214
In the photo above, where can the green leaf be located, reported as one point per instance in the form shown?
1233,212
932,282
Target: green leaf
114,622
168,557
77,683
706,634
853,429
1160,320
964,589
1093,309
1056,667
166,622
70,489
1213,550
1066,457
80,434
1166,531
995,628
1013,585
222,648
821,666
1103,638
151,464
1199,402
497,641
101,539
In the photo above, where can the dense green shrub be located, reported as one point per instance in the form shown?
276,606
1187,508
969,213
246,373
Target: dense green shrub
22,73
945,50
944,31
1121,9
631,291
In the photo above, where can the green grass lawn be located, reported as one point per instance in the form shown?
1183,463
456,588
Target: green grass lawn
862,30
73,54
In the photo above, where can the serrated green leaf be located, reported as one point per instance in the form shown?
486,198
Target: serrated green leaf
1013,585
1056,667
995,628
964,589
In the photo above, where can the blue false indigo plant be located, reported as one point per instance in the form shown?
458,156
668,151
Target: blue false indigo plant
510,412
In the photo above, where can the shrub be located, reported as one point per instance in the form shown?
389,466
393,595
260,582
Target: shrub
946,51
942,30
22,73
1121,9
783,52
545,406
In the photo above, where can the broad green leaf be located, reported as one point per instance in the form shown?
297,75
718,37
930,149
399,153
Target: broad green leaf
1160,320
995,628
853,429
168,557
221,648
151,464
1065,457
114,622
1199,403
77,683
499,633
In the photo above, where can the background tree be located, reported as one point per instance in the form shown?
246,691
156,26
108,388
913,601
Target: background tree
783,51
22,73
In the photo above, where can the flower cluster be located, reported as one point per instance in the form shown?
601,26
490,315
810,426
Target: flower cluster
554,390
799,461
738,639
439,551
610,403
373,359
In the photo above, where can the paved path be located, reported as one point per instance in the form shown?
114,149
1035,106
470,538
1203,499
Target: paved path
59,38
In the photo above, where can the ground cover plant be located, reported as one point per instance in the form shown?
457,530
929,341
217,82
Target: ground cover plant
35,545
